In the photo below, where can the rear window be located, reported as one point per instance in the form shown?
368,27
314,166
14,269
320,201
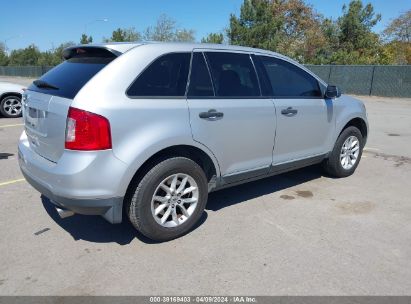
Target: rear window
69,77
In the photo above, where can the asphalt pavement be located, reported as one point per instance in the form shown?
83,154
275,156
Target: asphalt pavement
298,233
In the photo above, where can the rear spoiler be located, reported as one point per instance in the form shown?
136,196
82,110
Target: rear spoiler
89,51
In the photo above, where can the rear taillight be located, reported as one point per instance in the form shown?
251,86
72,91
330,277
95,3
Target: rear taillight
87,131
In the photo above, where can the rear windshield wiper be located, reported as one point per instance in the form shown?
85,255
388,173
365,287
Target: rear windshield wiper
44,85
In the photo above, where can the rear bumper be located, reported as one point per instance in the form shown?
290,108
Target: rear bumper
85,183
109,208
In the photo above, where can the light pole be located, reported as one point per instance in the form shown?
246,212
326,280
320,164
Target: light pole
7,39
93,21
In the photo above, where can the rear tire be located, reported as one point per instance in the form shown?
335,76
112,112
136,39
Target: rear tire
346,154
155,195
11,106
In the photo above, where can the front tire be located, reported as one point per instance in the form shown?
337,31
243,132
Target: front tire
346,154
169,200
11,107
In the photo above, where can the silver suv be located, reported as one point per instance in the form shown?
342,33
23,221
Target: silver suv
147,130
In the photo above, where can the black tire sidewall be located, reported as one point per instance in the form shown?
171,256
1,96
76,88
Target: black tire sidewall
335,158
3,112
140,206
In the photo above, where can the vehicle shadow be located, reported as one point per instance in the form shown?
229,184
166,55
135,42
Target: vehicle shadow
5,155
234,195
98,230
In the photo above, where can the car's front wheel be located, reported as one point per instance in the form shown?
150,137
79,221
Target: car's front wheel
346,154
169,200
11,107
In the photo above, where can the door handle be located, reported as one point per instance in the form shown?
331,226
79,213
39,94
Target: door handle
289,111
211,115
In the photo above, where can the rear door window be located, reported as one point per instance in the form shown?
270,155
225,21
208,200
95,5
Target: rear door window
200,81
233,75
288,80
265,85
66,79
165,77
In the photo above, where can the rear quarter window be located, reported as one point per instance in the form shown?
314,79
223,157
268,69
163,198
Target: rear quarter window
165,77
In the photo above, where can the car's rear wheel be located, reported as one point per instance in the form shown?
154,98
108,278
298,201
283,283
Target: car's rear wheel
11,107
346,154
169,200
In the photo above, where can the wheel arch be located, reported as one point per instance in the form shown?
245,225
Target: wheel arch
196,154
360,124
8,94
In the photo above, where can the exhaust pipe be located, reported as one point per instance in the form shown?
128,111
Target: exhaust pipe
63,213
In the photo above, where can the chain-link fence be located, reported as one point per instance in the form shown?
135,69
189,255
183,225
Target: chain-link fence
24,71
378,80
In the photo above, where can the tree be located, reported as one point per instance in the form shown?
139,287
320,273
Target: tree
45,58
162,31
55,56
330,29
301,37
123,35
287,26
356,25
216,38
184,35
256,26
58,52
27,56
32,56
399,29
166,30
295,29
86,39
397,35
358,44
4,59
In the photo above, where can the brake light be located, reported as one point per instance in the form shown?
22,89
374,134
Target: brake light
87,131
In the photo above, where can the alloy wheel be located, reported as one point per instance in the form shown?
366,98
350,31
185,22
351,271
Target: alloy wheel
349,152
12,106
174,200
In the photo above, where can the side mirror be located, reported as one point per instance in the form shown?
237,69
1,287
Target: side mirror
332,91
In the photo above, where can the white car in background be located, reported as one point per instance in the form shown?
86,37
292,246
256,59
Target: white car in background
10,99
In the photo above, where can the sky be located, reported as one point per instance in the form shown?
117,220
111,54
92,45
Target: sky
47,23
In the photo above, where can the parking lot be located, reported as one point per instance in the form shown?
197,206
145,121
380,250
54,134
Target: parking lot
299,233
